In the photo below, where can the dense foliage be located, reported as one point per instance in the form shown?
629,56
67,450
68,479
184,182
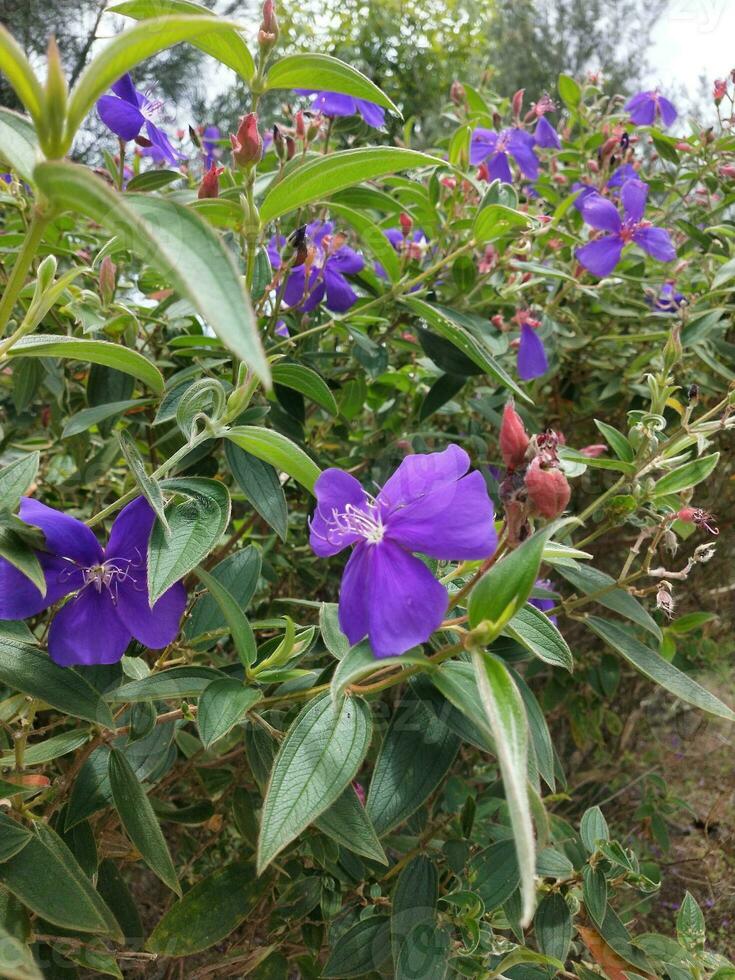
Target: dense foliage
493,374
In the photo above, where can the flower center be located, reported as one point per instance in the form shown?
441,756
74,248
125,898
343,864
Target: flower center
108,575
365,521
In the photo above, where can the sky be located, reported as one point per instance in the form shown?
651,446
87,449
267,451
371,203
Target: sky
693,38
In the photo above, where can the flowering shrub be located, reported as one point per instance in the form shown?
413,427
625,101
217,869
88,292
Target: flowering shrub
406,460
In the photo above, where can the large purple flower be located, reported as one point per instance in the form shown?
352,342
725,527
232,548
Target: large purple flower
332,262
487,144
429,505
128,111
646,106
603,254
109,603
335,104
532,360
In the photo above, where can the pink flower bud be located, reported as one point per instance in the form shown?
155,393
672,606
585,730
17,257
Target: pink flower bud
728,170
299,127
108,279
548,490
247,144
593,451
449,182
719,90
516,103
483,173
360,791
513,438
209,186
404,220
268,32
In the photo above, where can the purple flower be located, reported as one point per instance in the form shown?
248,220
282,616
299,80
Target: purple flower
332,262
128,111
626,171
668,299
602,255
545,135
494,147
544,604
532,360
585,191
336,104
281,329
109,603
414,246
210,145
429,505
645,106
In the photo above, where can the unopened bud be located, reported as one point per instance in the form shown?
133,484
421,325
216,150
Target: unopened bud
299,126
268,32
719,90
108,280
673,348
279,144
548,490
209,186
247,144
457,93
404,220
513,438
290,147
593,451
516,103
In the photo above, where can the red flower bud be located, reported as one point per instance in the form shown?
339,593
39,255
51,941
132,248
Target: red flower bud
513,438
299,127
548,490
268,32
516,103
719,90
209,186
405,222
247,144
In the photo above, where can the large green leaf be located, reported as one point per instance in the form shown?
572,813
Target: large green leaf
195,525
653,666
276,449
605,590
496,220
347,823
328,174
226,46
534,630
318,758
222,705
240,629
25,668
46,877
414,901
361,949
506,717
94,351
18,143
139,820
176,242
177,682
260,484
13,837
16,959
304,380
16,478
18,71
327,74
686,476
126,50
238,574
208,912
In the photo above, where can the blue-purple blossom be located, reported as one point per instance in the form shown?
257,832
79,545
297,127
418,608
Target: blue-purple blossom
107,589
128,111
430,505
646,106
532,359
414,245
210,145
585,191
667,300
487,144
336,104
545,135
544,604
626,171
602,255
330,264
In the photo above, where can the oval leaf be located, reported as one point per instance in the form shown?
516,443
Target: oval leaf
276,449
18,143
535,631
327,74
222,705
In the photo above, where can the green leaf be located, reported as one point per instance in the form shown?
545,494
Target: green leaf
651,665
534,630
222,705
496,220
139,820
208,912
18,142
16,478
318,758
361,662
25,668
617,441
362,948
261,486
177,682
14,550
594,892
690,928
174,241
426,952
152,180
227,46
593,828
686,476
417,752
195,525
606,591
444,323
276,449
507,721
50,748
504,589
18,71
569,91
87,417
72,902
347,823
124,51
238,574
334,639
414,901
328,74
148,487
13,837
94,351
16,959
553,927
308,382
543,748
326,175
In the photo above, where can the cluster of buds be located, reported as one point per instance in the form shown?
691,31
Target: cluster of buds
534,484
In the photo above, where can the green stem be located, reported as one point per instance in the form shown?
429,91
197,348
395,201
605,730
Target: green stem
25,257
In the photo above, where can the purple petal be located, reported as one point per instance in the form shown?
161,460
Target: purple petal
293,294
642,108
162,146
667,110
317,288
334,104
88,631
373,115
316,230
65,536
157,627
482,144
335,491
601,256
273,249
422,473
281,329
521,145
656,242
340,295
391,597
532,360
633,194
130,532
124,89
626,171
19,597
123,119
346,261
499,168
395,237
545,134
585,192
452,522
600,213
